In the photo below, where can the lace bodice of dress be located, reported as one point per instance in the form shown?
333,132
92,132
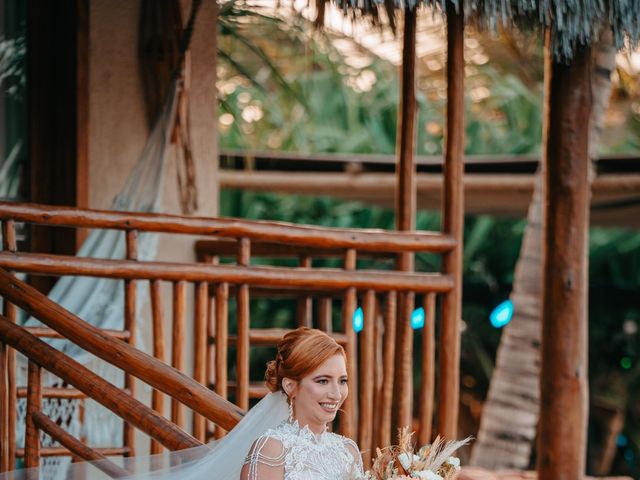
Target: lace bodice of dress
305,455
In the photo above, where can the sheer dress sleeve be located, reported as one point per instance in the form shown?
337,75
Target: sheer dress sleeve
357,470
265,460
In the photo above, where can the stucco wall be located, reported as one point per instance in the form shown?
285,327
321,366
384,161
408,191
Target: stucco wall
118,129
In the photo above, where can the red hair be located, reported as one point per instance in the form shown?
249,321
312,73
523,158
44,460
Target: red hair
300,352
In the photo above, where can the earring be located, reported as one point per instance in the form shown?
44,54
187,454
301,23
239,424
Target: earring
290,409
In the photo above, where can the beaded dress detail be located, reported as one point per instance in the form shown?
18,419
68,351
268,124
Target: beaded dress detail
304,454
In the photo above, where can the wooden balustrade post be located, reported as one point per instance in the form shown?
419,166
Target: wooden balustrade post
348,420
8,370
305,303
130,300
222,334
200,354
406,201
177,347
243,317
367,377
388,368
325,314
34,405
453,224
427,386
157,332
211,346
564,402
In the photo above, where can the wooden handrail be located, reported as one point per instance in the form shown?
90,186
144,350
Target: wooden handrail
95,387
145,367
76,447
280,232
260,276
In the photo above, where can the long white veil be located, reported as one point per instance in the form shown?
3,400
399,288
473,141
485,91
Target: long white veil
222,460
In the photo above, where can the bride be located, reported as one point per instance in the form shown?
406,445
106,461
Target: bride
310,370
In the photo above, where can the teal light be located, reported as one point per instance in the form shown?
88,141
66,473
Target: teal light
358,320
502,314
417,318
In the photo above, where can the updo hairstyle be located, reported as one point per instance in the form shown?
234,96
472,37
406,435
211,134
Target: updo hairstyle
300,352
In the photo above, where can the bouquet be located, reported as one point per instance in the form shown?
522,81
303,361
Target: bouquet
431,462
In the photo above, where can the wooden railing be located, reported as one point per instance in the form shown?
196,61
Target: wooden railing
387,298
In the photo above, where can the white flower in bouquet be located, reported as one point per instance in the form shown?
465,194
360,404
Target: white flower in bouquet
426,475
454,462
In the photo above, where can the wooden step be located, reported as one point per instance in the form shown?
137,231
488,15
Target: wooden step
44,332
271,336
63,452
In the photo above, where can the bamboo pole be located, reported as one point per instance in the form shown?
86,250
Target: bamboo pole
305,303
157,329
367,366
177,347
34,405
200,354
222,332
564,373
348,419
130,297
405,215
242,346
427,387
453,224
390,312
10,245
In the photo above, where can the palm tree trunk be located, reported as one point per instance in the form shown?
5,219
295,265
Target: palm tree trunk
510,415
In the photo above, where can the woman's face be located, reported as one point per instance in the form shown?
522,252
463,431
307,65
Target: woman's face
319,395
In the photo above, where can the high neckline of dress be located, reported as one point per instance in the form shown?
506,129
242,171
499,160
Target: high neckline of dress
306,431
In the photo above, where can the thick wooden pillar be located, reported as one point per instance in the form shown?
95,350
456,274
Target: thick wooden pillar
405,219
453,224
564,381
58,91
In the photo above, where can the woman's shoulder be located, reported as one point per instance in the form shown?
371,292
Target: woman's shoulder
348,443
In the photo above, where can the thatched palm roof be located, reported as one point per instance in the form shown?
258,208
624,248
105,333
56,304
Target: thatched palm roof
573,22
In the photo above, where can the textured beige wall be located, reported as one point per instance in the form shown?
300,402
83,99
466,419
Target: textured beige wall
118,129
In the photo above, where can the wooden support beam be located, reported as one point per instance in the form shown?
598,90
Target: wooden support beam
453,224
564,373
405,215
10,244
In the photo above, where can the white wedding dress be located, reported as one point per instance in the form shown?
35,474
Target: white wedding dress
301,454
